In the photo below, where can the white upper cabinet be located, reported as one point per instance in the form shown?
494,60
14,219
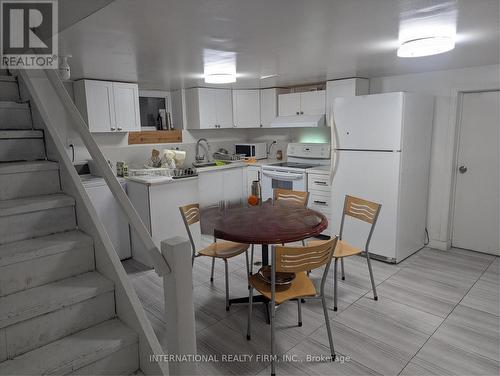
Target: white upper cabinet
289,104
246,108
108,106
350,87
305,103
268,106
208,108
312,102
127,115
224,108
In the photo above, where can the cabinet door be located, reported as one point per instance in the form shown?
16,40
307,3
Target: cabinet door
126,100
223,108
312,102
246,108
99,105
233,186
210,185
206,108
289,104
268,106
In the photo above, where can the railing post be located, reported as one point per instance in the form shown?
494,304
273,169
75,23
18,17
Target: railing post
179,307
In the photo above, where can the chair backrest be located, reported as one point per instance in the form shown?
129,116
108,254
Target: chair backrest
363,210
305,258
290,197
190,215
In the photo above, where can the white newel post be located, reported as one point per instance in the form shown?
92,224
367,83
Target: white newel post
179,308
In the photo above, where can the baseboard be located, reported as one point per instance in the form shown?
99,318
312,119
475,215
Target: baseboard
439,244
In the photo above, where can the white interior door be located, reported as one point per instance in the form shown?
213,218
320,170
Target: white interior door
476,223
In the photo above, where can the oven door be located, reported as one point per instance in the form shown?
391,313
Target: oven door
295,181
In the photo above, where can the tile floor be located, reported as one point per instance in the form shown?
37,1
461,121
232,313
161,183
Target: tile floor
437,314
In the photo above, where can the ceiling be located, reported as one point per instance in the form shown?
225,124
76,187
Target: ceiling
161,43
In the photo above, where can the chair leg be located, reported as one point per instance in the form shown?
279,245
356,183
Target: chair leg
248,267
299,311
342,267
251,260
273,313
212,272
227,284
335,267
328,328
303,243
375,297
250,305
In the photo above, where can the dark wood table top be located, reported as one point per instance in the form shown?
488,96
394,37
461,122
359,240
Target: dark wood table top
268,224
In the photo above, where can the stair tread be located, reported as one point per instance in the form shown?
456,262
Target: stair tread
39,300
14,105
23,250
8,78
35,203
29,166
72,352
20,134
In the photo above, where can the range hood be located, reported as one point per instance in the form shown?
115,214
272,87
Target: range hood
300,121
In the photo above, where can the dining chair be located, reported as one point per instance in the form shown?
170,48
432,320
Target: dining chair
217,250
287,196
359,209
284,196
290,197
296,260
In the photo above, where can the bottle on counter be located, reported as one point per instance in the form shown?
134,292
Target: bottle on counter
279,155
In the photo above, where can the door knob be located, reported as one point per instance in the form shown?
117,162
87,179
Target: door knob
462,169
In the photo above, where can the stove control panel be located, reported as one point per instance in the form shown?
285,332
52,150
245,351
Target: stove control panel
302,150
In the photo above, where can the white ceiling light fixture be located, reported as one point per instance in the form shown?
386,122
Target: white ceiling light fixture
219,67
220,78
426,46
427,27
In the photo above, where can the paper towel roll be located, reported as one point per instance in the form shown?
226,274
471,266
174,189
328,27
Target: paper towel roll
179,156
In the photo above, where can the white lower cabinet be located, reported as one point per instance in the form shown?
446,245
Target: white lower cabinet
158,207
111,215
225,185
319,188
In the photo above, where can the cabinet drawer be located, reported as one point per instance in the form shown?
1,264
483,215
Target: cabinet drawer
318,182
320,203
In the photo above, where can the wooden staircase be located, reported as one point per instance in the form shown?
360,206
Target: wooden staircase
57,313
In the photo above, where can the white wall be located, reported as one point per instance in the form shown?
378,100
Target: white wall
444,85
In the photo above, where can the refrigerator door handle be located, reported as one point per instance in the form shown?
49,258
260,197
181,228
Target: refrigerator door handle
333,148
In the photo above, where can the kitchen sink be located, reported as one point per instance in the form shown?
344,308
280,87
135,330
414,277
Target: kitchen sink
203,164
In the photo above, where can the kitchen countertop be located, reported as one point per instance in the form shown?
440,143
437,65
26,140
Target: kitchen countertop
259,163
156,180
321,170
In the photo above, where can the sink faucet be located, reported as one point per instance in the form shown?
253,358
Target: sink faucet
198,157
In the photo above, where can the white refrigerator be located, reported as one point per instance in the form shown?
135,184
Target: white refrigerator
381,152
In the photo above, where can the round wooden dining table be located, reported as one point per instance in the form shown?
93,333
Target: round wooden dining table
267,224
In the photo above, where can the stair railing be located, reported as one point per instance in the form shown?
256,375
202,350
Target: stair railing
161,265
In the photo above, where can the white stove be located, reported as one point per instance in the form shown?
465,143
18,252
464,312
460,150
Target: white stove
293,173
